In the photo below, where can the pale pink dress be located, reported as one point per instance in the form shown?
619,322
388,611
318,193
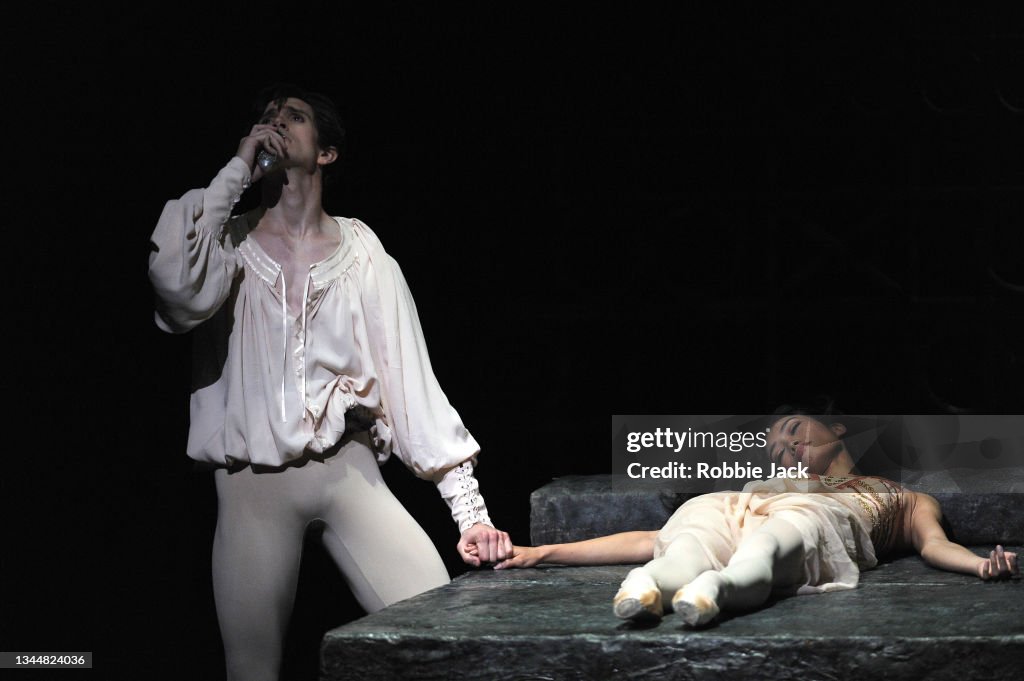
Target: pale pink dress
845,522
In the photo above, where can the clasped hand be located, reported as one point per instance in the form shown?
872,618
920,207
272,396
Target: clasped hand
484,544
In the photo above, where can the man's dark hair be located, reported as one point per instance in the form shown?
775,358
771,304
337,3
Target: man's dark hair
330,129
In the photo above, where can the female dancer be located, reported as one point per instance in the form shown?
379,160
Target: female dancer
729,550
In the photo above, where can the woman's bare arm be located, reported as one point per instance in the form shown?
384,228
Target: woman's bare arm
935,548
613,549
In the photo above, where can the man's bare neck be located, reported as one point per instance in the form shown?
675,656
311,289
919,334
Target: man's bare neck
292,208
297,227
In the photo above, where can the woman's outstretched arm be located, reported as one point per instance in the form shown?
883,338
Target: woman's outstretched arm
613,549
935,548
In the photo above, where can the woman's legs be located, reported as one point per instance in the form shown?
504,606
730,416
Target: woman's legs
683,560
647,592
772,556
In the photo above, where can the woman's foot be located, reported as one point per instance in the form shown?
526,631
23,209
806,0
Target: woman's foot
696,602
639,598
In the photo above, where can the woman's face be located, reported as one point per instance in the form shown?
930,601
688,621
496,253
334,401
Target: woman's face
802,439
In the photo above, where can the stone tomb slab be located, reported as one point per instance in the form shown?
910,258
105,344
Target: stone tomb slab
904,621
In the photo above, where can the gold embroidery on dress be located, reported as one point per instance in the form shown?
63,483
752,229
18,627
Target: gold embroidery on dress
880,500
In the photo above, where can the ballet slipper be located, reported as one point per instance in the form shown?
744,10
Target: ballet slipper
639,598
694,607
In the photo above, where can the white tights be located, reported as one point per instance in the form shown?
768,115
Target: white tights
384,555
770,557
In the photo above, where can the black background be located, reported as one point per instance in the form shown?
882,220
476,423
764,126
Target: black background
600,211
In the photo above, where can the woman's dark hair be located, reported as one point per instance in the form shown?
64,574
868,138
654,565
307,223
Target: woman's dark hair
330,129
823,408
866,453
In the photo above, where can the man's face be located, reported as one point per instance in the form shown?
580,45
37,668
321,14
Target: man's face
293,118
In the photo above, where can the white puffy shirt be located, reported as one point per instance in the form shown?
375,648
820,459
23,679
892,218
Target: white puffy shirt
269,388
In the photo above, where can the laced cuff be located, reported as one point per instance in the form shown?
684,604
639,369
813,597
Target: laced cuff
461,492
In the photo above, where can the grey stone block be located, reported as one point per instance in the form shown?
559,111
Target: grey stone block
584,506
980,507
905,621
